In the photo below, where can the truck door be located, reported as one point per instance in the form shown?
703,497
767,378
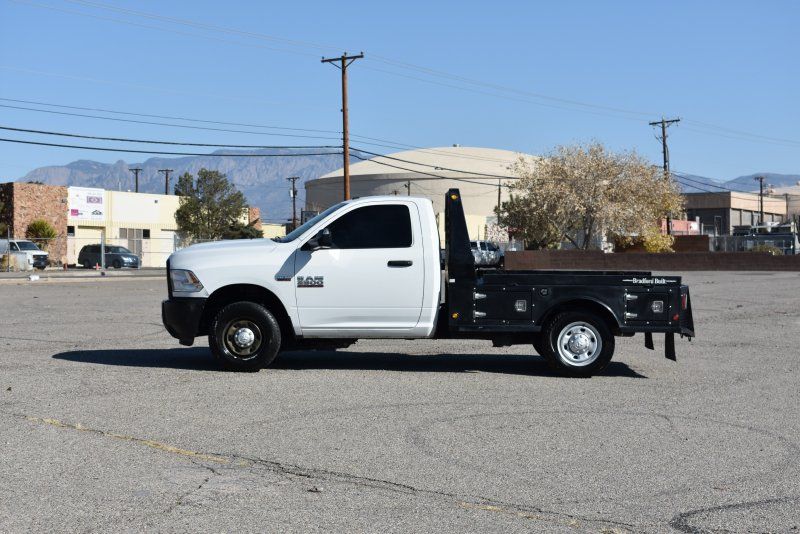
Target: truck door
370,282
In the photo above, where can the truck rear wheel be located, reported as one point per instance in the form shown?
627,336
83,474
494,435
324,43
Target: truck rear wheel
245,336
577,344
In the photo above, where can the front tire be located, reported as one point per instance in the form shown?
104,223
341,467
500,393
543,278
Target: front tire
578,344
245,336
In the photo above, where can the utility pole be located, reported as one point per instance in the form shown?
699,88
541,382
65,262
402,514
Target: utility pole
343,62
499,185
407,185
166,179
136,172
293,192
760,180
665,123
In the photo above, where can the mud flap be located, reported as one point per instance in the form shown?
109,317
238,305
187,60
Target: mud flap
669,346
648,340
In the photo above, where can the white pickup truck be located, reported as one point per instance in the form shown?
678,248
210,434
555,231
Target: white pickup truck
371,268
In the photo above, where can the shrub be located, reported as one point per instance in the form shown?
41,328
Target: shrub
41,230
768,249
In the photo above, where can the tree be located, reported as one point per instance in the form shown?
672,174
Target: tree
578,193
209,205
41,231
242,231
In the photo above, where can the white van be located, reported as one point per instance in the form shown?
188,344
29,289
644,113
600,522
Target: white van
28,255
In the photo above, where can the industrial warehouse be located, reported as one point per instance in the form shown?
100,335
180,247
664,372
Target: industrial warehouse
482,174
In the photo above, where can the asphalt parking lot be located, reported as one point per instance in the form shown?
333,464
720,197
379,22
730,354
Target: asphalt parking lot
106,424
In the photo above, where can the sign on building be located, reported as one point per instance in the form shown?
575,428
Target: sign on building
87,203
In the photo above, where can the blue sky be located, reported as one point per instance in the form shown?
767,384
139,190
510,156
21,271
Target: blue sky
552,73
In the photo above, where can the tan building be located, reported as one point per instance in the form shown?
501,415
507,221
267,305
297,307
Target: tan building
142,222
720,212
478,172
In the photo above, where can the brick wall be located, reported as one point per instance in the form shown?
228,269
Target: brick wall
678,261
28,202
254,214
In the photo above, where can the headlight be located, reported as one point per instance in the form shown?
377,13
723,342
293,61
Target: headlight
184,281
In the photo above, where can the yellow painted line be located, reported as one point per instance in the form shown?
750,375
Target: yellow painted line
77,280
574,523
157,445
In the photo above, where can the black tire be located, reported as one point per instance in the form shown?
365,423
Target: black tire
238,317
117,264
584,329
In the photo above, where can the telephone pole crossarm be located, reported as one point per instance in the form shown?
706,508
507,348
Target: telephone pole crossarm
342,63
664,124
166,179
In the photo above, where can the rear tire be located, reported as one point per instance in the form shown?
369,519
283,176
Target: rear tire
578,344
244,336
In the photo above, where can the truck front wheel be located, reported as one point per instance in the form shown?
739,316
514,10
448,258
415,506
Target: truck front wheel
578,344
244,336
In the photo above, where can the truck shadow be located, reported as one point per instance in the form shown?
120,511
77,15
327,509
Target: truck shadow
200,359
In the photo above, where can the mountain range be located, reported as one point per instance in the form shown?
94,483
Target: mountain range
263,179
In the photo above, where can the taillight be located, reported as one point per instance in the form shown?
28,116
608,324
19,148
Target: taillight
684,301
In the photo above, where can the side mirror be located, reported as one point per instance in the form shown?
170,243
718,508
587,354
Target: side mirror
321,240
324,238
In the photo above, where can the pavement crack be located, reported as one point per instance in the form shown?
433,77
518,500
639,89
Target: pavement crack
682,523
292,471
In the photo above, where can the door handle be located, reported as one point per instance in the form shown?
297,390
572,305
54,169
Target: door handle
400,263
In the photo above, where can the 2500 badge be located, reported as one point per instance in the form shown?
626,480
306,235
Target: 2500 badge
310,281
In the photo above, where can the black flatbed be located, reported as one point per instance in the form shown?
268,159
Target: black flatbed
518,306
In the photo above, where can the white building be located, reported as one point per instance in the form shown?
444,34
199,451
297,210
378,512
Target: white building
480,173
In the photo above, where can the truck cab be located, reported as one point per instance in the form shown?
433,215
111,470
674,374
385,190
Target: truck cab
371,268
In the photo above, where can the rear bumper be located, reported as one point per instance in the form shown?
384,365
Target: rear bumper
181,318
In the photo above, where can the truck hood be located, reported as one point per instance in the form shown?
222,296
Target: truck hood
232,254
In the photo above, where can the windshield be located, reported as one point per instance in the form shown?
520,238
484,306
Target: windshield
27,245
300,230
118,250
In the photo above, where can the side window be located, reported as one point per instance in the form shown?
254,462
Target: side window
386,226
14,247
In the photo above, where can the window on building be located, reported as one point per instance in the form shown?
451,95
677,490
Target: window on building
145,234
70,231
385,226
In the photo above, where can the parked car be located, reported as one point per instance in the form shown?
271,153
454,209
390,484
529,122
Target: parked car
116,257
34,256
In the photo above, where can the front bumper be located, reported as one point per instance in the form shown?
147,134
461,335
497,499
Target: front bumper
40,261
181,318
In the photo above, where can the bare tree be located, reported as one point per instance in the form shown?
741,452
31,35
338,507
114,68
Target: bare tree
579,193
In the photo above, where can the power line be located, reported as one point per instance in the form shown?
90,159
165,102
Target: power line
581,105
149,141
425,173
437,167
117,119
391,144
162,153
169,117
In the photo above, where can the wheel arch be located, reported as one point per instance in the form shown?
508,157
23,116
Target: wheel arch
595,306
246,292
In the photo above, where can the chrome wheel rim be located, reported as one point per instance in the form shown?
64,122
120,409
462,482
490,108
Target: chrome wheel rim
242,338
579,344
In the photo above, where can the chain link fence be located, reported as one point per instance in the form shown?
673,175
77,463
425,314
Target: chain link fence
775,244
130,251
